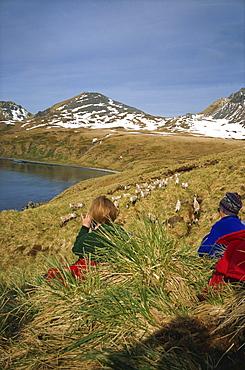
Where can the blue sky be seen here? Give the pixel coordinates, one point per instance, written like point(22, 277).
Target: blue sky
point(165, 57)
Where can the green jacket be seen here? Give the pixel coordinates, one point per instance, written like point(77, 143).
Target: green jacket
point(93, 242)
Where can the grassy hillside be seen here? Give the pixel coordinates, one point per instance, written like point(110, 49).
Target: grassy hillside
point(117, 150)
point(140, 310)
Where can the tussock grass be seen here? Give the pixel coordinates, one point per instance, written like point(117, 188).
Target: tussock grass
point(137, 310)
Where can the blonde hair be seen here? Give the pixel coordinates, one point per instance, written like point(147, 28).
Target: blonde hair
point(102, 210)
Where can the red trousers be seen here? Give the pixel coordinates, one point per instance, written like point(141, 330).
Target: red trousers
point(78, 269)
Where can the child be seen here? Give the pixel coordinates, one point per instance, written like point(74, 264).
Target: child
point(88, 245)
point(100, 218)
point(229, 208)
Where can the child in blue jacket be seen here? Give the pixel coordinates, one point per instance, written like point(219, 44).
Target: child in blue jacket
point(229, 207)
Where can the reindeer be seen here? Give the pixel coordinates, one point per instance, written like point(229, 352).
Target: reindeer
point(144, 193)
point(116, 197)
point(176, 179)
point(178, 205)
point(66, 218)
point(184, 185)
point(76, 205)
point(196, 205)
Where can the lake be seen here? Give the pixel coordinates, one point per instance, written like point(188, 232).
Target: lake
point(24, 181)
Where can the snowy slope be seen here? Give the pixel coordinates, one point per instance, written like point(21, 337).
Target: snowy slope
point(96, 111)
point(198, 124)
point(225, 118)
point(11, 112)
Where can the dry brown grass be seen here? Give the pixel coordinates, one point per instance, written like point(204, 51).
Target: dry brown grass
point(120, 151)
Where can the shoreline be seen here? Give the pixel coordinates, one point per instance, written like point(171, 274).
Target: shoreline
point(56, 164)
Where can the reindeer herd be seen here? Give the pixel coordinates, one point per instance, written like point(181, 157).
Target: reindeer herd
point(144, 189)
point(135, 192)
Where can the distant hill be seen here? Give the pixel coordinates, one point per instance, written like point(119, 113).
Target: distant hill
point(11, 112)
point(224, 118)
point(95, 111)
point(231, 108)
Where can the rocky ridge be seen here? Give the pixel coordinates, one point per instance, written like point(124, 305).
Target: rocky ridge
point(224, 118)
point(10, 112)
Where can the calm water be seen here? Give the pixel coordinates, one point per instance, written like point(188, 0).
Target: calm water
point(21, 182)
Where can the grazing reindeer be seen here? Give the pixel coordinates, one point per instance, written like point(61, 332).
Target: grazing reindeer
point(76, 205)
point(196, 210)
point(184, 185)
point(163, 183)
point(178, 205)
point(66, 218)
point(176, 179)
point(196, 205)
point(116, 204)
point(116, 197)
point(152, 187)
point(144, 193)
point(133, 199)
point(156, 182)
point(141, 185)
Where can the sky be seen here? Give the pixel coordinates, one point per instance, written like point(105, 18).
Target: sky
point(164, 57)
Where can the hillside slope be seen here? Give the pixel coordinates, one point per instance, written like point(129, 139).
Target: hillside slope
point(140, 309)
point(112, 150)
point(209, 177)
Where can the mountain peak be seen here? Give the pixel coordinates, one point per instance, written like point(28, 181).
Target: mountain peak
point(224, 118)
point(10, 111)
point(233, 108)
point(95, 102)
point(91, 110)
point(238, 97)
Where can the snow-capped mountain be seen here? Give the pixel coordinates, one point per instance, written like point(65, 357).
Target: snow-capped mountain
point(224, 118)
point(95, 111)
point(11, 112)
